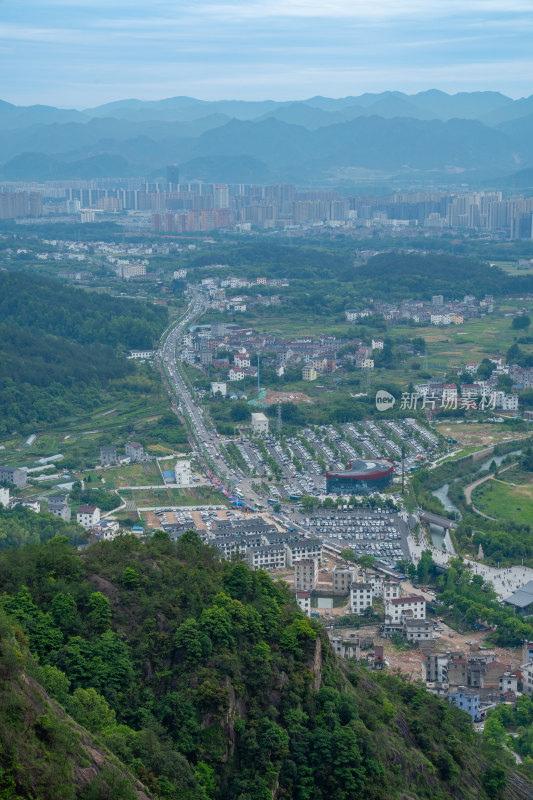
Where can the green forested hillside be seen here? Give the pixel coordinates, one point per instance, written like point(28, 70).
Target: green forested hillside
point(60, 348)
point(206, 681)
point(19, 527)
point(44, 754)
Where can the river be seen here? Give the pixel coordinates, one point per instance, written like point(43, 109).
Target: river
point(437, 534)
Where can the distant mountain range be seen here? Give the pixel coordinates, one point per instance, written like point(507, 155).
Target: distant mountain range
point(470, 136)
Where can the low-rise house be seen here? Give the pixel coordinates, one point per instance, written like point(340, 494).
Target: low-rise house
point(309, 374)
point(134, 451)
point(391, 590)
point(398, 607)
point(59, 509)
point(108, 456)
point(527, 678)
point(345, 645)
point(304, 601)
point(14, 475)
point(88, 516)
point(467, 700)
point(415, 630)
point(236, 374)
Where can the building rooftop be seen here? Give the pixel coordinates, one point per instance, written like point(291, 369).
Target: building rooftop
point(413, 599)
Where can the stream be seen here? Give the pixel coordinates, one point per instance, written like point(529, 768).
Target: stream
point(437, 535)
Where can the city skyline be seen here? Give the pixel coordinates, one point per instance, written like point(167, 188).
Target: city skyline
point(79, 54)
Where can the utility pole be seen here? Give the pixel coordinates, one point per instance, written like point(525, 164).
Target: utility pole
point(279, 418)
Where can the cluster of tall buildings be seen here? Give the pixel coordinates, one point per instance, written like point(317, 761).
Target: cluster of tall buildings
point(20, 204)
point(178, 206)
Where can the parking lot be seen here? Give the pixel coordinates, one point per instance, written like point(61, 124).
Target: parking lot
point(302, 459)
point(371, 532)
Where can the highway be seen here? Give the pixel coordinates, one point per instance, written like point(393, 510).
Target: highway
point(207, 439)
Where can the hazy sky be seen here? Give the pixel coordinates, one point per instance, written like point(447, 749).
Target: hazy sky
point(81, 53)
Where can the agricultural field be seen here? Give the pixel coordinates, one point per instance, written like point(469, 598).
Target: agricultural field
point(78, 439)
point(149, 498)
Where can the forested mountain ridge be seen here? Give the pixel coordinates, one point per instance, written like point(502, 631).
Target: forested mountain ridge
point(60, 348)
point(45, 754)
point(209, 684)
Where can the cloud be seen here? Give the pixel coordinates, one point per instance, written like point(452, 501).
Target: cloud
point(292, 47)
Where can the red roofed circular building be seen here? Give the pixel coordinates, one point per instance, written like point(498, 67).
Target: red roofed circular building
point(361, 477)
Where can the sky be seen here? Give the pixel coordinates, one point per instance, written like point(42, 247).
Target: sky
point(81, 53)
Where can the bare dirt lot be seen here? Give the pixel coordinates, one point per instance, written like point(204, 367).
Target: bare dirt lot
point(272, 397)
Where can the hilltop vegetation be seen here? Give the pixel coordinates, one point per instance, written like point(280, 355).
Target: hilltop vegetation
point(61, 349)
point(206, 681)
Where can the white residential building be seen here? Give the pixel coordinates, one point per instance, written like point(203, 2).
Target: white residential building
point(241, 360)
point(235, 374)
point(360, 597)
point(141, 355)
point(303, 549)
point(88, 516)
point(4, 496)
point(304, 601)
point(399, 607)
point(269, 557)
point(368, 363)
point(376, 582)
point(14, 475)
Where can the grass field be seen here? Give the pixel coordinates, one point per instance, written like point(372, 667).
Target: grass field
point(506, 502)
point(132, 475)
point(476, 434)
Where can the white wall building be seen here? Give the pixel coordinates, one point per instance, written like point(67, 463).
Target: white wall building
point(235, 374)
point(304, 602)
point(304, 549)
point(360, 597)
point(4, 496)
point(183, 473)
point(259, 424)
point(217, 387)
point(88, 516)
point(399, 607)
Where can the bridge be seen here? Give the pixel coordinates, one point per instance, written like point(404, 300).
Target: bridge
point(434, 519)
